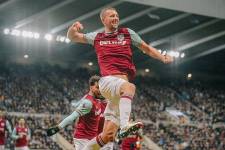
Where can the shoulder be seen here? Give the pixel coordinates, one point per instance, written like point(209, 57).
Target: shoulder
point(86, 103)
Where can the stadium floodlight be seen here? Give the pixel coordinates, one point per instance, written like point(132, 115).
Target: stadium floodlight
point(147, 70)
point(189, 76)
point(6, 31)
point(58, 38)
point(67, 40)
point(30, 34)
point(62, 39)
point(48, 37)
point(164, 53)
point(90, 63)
point(25, 33)
point(26, 56)
point(15, 32)
point(182, 55)
point(36, 35)
point(174, 54)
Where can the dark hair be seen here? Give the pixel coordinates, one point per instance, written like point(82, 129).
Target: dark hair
point(93, 79)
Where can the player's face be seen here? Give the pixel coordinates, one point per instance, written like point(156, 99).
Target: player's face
point(21, 121)
point(111, 19)
point(95, 90)
point(2, 114)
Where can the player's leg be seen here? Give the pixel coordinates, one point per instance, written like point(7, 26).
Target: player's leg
point(108, 134)
point(127, 91)
point(22, 148)
point(120, 92)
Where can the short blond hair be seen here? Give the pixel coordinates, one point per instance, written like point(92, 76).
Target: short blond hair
point(102, 13)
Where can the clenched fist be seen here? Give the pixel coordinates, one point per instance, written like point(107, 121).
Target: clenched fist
point(167, 59)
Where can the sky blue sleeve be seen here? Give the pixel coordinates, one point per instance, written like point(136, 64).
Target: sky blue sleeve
point(83, 108)
point(90, 37)
point(135, 38)
point(8, 126)
point(29, 134)
point(14, 134)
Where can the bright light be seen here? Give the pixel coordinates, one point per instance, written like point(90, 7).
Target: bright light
point(6, 31)
point(90, 63)
point(67, 40)
point(182, 55)
point(48, 37)
point(164, 53)
point(147, 70)
point(174, 54)
point(62, 39)
point(26, 56)
point(15, 32)
point(30, 34)
point(36, 35)
point(189, 75)
point(25, 34)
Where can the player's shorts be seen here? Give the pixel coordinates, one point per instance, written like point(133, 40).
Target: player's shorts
point(109, 87)
point(2, 147)
point(22, 148)
point(81, 143)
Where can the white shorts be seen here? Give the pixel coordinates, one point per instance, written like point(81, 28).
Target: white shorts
point(2, 147)
point(109, 87)
point(22, 148)
point(81, 143)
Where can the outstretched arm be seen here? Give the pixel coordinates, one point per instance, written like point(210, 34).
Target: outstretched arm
point(83, 108)
point(14, 134)
point(153, 52)
point(147, 49)
point(8, 126)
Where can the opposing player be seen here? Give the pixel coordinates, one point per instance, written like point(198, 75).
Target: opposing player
point(21, 134)
point(88, 111)
point(4, 125)
point(114, 53)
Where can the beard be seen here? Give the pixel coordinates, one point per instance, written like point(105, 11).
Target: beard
point(115, 26)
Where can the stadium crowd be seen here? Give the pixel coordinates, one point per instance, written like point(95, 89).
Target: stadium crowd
point(47, 89)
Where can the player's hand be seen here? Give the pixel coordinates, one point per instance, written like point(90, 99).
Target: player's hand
point(167, 59)
point(20, 136)
point(53, 130)
point(77, 26)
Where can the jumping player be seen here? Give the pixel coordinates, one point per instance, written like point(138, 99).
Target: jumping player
point(114, 53)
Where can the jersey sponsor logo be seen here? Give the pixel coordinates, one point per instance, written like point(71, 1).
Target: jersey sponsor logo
point(112, 43)
point(120, 37)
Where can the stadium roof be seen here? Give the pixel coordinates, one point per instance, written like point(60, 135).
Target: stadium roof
point(201, 38)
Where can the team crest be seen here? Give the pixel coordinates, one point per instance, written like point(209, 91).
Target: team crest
point(120, 37)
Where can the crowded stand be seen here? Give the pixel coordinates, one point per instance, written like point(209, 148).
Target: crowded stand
point(49, 91)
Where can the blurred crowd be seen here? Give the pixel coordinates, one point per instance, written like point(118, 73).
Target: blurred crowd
point(41, 89)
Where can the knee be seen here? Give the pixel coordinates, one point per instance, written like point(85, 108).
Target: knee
point(128, 88)
point(108, 136)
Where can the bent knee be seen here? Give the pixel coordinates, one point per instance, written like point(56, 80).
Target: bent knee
point(108, 136)
point(128, 89)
